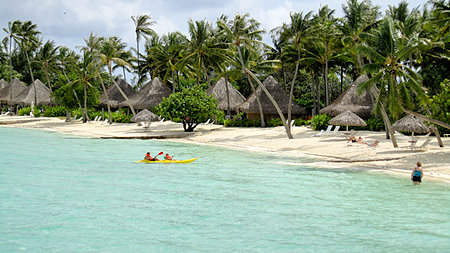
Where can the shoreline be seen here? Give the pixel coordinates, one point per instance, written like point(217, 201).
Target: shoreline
point(331, 151)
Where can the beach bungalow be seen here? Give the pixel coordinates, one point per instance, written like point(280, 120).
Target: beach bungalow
point(350, 100)
point(138, 96)
point(250, 106)
point(16, 87)
point(114, 95)
point(154, 96)
point(27, 97)
point(219, 90)
point(3, 83)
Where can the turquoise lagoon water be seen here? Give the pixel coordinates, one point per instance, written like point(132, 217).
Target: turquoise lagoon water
point(60, 193)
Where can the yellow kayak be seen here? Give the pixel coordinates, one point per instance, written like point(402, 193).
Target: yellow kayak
point(168, 161)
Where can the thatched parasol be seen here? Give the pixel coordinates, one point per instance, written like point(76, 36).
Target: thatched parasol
point(26, 97)
point(145, 116)
point(219, 90)
point(154, 96)
point(17, 88)
point(350, 100)
point(3, 84)
point(410, 124)
point(347, 118)
point(278, 93)
point(114, 95)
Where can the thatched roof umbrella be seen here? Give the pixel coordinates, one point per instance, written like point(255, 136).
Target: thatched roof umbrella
point(3, 84)
point(139, 95)
point(347, 118)
point(114, 95)
point(145, 116)
point(350, 100)
point(279, 94)
point(411, 124)
point(26, 97)
point(17, 88)
point(219, 90)
point(154, 96)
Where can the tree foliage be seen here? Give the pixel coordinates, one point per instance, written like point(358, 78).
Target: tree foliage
point(192, 106)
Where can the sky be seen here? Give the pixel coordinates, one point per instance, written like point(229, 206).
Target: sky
point(68, 22)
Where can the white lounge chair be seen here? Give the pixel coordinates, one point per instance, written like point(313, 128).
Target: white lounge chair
point(319, 134)
point(336, 129)
point(424, 144)
point(326, 131)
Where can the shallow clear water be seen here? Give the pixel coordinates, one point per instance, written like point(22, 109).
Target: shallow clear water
point(67, 194)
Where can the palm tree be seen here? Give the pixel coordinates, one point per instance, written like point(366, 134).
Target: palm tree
point(85, 73)
point(142, 24)
point(66, 59)
point(360, 17)
point(109, 54)
point(245, 32)
point(27, 34)
point(93, 43)
point(12, 32)
point(47, 58)
point(298, 31)
point(389, 67)
point(202, 48)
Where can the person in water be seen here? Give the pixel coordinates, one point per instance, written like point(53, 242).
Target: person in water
point(150, 158)
point(167, 157)
point(417, 174)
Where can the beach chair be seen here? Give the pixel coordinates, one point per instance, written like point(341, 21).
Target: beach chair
point(326, 131)
point(424, 144)
point(334, 132)
point(319, 134)
point(162, 120)
point(96, 118)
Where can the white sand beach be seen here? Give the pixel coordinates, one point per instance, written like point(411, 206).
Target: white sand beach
point(333, 152)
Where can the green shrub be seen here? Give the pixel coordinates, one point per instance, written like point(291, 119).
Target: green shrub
point(301, 122)
point(274, 122)
point(375, 124)
point(24, 111)
point(36, 112)
point(55, 111)
point(320, 121)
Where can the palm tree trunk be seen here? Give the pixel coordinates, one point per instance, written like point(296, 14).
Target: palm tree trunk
point(107, 98)
point(121, 91)
point(48, 78)
point(313, 91)
point(85, 103)
point(10, 60)
point(173, 81)
point(387, 122)
point(206, 73)
point(291, 93)
point(261, 113)
point(316, 80)
point(32, 77)
point(325, 79)
point(275, 104)
point(228, 97)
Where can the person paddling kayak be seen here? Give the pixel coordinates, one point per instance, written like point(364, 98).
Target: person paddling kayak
point(150, 158)
point(168, 157)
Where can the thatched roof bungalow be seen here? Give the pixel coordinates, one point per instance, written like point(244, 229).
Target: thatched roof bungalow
point(114, 95)
point(219, 90)
point(26, 97)
point(139, 95)
point(250, 106)
point(154, 95)
point(17, 88)
point(350, 100)
point(3, 84)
